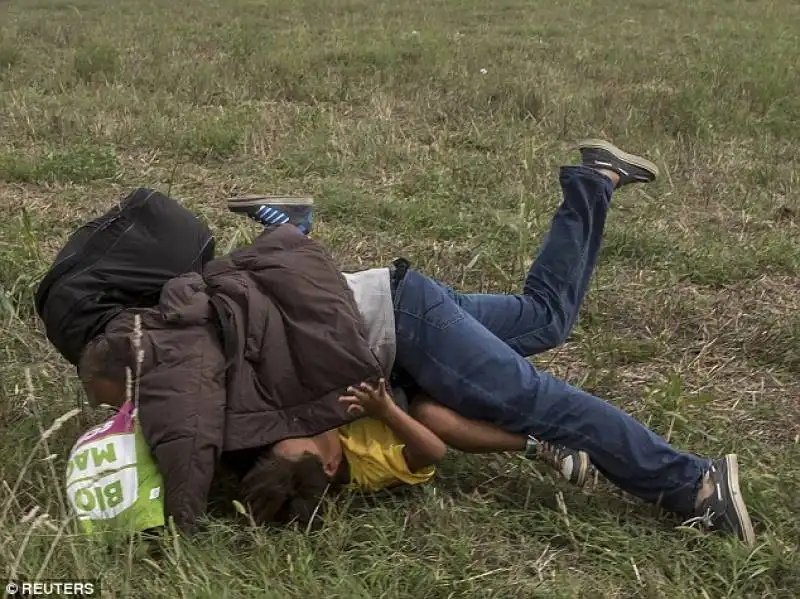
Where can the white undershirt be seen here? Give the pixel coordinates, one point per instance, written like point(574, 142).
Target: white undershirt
point(373, 295)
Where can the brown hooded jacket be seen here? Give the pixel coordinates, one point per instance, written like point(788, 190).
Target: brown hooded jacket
point(256, 350)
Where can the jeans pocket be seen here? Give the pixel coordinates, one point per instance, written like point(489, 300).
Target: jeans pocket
point(427, 302)
point(444, 314)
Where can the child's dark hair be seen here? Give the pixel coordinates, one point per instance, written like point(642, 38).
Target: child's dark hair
point(278, 490)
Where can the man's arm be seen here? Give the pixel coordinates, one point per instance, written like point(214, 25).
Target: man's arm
point(182, 413)
point(422, 447)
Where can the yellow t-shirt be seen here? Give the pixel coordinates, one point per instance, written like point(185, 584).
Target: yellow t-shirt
point(375, 456)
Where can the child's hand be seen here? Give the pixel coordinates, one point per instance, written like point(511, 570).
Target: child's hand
point(366, 399)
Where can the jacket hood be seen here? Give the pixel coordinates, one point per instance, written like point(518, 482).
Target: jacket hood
point(184, 301)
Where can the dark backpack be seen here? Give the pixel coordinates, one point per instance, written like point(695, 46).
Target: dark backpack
point(118, 261)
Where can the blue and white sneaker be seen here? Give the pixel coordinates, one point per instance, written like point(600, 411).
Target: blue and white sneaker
point(276, 210)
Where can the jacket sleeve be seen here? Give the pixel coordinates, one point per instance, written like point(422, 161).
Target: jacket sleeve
point(182, 411)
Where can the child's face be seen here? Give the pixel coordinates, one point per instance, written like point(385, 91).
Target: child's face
point(326, 446)
point(104, 391)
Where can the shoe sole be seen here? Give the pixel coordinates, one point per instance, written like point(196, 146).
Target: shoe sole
point(732, 467)
point(637, 161)
point(256, 200)
point(583, 469)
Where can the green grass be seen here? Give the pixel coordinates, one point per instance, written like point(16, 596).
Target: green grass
point(434, 130)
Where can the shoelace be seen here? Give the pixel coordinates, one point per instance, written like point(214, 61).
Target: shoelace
point(706, 519)
point(619, 170)
point(549, 452)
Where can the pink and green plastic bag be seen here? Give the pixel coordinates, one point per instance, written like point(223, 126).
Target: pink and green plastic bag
point(113, 484)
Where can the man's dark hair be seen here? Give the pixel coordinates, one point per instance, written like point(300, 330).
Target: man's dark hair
point(278, 490)
point(97, 361)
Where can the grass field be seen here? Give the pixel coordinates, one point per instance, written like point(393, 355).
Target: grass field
point(434, 130)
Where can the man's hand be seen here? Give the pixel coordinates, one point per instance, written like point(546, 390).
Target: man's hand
point(366, 399)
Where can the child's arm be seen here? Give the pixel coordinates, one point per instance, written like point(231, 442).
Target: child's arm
point(463, 434)
point(422, 447)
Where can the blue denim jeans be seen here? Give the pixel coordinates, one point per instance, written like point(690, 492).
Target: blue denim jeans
point(468, 352)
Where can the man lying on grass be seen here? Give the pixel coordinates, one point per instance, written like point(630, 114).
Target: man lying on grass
point(468, 352)
point(247, 359)
point(193, 380)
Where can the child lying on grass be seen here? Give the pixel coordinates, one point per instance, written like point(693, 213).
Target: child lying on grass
point(386, 448)
point(114, 486)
